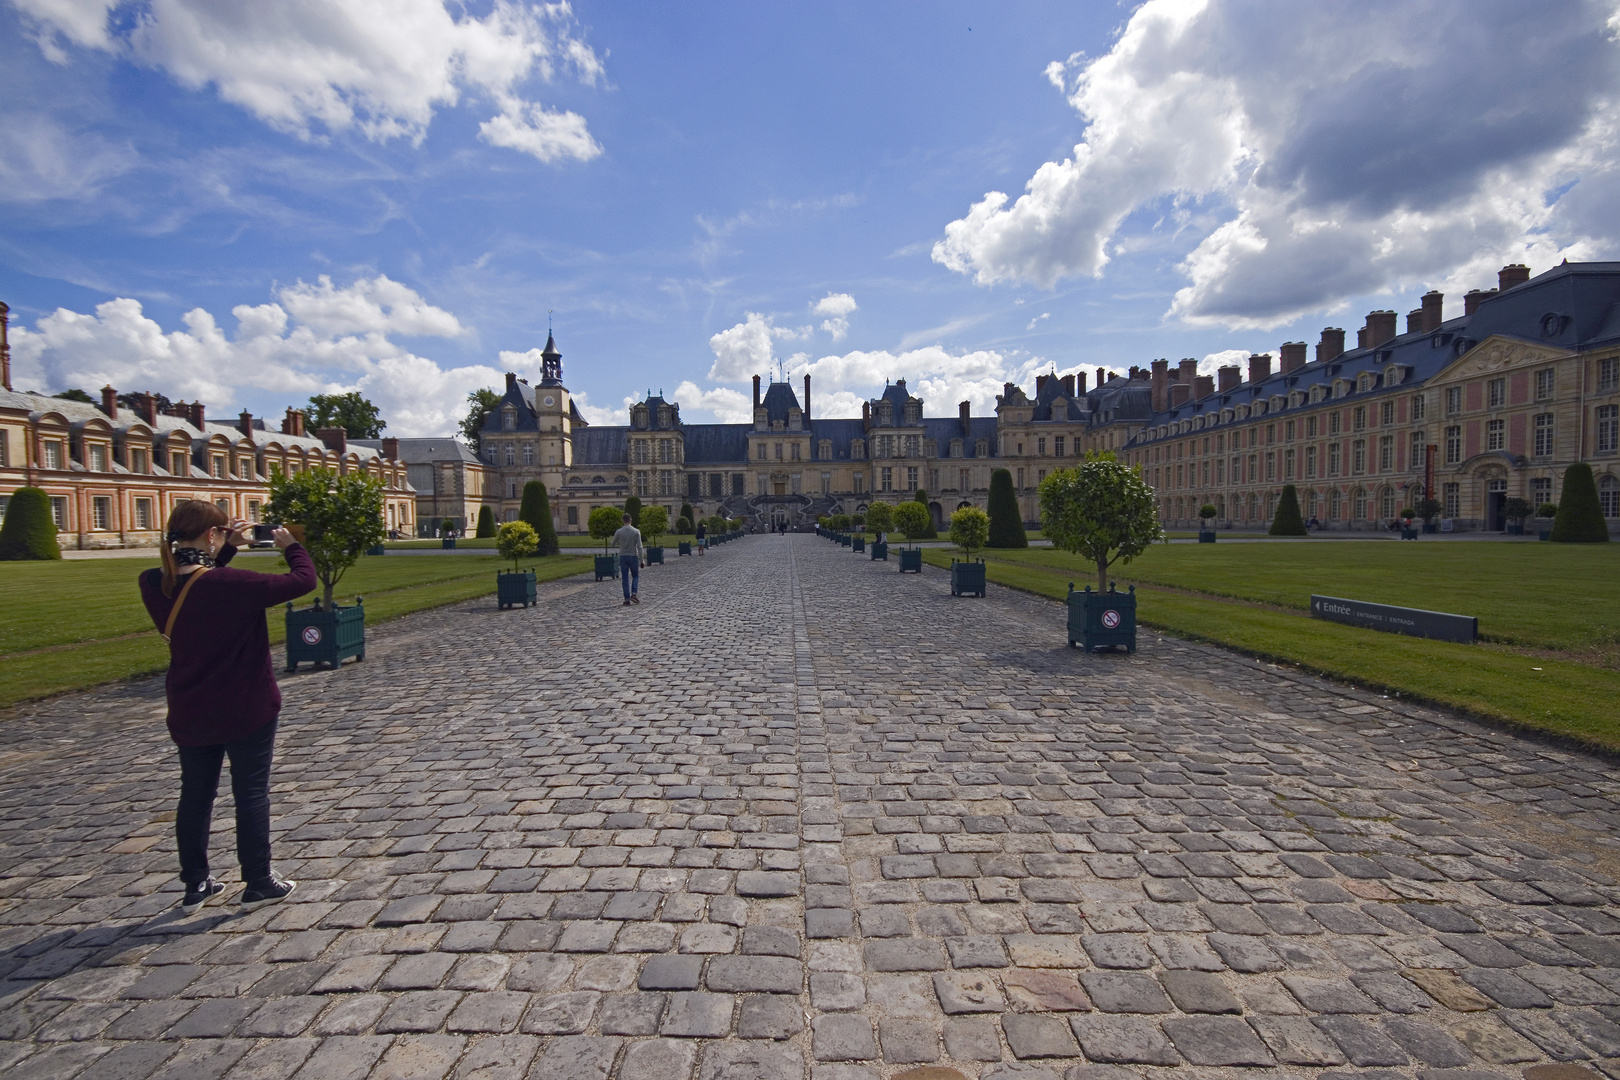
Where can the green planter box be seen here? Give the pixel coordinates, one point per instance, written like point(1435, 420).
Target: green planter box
point(1544, 534)
point(514, 589)
point(910, 559)
point(448, 543)
point(858, 544)
point(967, 577)
point(1102, 620)
point(655, 555)
point(607, 566)
point(846, 539)
point(685, 548)
point(1515, 530)
point(376, 550)
point(325, 637)
point(880, 550)
point(1409, 534)
point(1430, 527)
point(1206, 536)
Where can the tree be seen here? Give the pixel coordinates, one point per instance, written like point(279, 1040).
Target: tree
point(75, 394)
point(1428, 510)
point(1102, 509)
point(922, 498)
point(632, 506)
point(912, 520)
point(351, 412)
point(880, 518)
point(1006, 520)
point(446, 527)
point(516, 540)
point(341, 515)
point(536, 510)
point(480, 403)
point(131, 401)
point(1206, 512)
point(1287, 521)
point(1517, 510)
point(29, 531)
point(603, 523)
point(970, 528)
point(686, 512)
point(716, 523)
point(683, 526)
point(1580, 515)
point(486, 522)
point(654, 523)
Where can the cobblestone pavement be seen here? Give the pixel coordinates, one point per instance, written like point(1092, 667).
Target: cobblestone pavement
point(798, 815)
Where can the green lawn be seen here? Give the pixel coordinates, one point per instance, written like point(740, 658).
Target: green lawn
point(88, 617)
point(1550, 610)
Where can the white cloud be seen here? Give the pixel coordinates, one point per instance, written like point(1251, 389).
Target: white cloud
point(744, 350)
point(725, 405)
point(1337, 146)
point(1037, 319)
point(837, 307)
point(1224, 358)
point(383, 67)
point(343, 344)
point(595, 414)
point(41, 160)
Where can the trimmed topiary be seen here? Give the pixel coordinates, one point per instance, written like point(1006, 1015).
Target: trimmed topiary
point(632, 506)
point(1288, 520)
point(536, 510)
point(29, 531)
point(1006, 520)
point(486, 522)
point(1580, 515)
point(932, 532)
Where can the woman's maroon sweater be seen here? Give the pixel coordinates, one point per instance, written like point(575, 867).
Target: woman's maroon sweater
point(220, 684)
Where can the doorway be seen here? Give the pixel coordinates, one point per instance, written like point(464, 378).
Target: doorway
point(1496, 506)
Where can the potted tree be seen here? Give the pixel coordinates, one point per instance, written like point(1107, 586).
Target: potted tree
point(1206, 523)
point(1428, 510)
point(1516, 510)
point(1547, 511)
point(516, 540)
point(1408, 530)
point(654, 524)
point(447, 533)
point(970, 529)
point(880, 519)
point(912, 521)
point(602, 524)
point(340, 516)
point(858, 541)
point(1102, 510)
point(683, 528)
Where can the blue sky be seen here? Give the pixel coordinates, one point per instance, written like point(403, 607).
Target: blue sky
point(249, 204)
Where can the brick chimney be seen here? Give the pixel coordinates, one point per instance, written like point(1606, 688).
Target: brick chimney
point(1187, 371)
point(1161, 385)
point(5, 348)
point(197, 416)
point(756, 391)
point(1291, 357)
point(335, 438)
point(146, 408)
point(1259, 366)
point(1068, 385)
point(109, 402)
point(1040, 384)
point(1380, 328)
point(1414, 321)
point(1229, 376)
point(1511, 275)
point(1203, 386)
point(244, 424)
point(1102, 378)
point(1331, 345)
point(1179, 393)
point(1433, 310)
point(866, 410)
point(964, 412)
point(1472, 298)
point(807, 397)
point(390, 448)
point(511, 381)
point(1080, 381)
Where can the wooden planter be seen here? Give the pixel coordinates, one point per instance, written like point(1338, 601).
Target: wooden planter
point(607, 566)
point(1206, 536)
point(685, 548)
point(910, 560)
point(655, 556)
point(880, 550)
point(514, 589)
point(448, 543)
point(967, 577)
point(858, 544)
point(325, 637)
point(376, 549)
point(1102, 620)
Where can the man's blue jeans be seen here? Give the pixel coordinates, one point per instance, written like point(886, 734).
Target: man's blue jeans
point(629, 574)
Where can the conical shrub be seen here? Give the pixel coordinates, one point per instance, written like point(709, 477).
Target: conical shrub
point(1288, 521)
point(536, 510)
point(29, 531)
point(1006, 521)
point(1580, 516)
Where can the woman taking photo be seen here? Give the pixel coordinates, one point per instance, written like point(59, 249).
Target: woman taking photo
point(223, 698)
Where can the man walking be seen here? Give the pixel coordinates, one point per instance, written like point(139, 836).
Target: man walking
point(628, 539)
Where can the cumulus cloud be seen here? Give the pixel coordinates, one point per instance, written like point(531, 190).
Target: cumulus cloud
point(837, 307)
point(725, 405)
point(383, 67)
point(744, 350)
point(319, 339)
point(1225, 358)
point(1343, 150)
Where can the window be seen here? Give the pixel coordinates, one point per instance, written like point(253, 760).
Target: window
point(1310, 427)
point(217, 469)
point(1359, 420)
point(1608, 428)
point(1386, 414)
point(253, 511)
point(508, 421)
point(1288, 466)
point(1609, 374)
point(1417, 407)
point(1057, 445)
point(101, 513)
point(1544, 435)
point(245, 468)
point(666, 483)
point(1496, 393)
point(911, 478)
point(1540, 490)
point(1545, 384)
point(1453, 444)
point(511, 454)
point(717, 483)
point(1020, 479)
point(224, 505)
point(886, 479)
point(1358, 503)
point(1495, 434)
point(825, 450)
point(52, 458)
point(694, 486)
point(5, 452)
point(1386, 454)
point(1271, 466)
point(1333, 459)
point(778, 451)
point(1040, 446)
point(573, 515)
point(59, 512)
point(763, 452)
point(489, 453)
point(738, 484)
point(177, 465)
point(98, 458)
point(1358, 458)
point(511, 489)
point(763, 487)
point(1609, 496)
point(1451, 498)
point(666, 451)
point(1254, 467)
point(641, 484)
point(962, 479)
point(1386, 503)
point(860, 483)
point(794, 451)
point(1333, 423)
point(826, 483)
point(1453, 400)
point(1335, 504)
point(1416, 459)
point(139, 463)
point(528, 453)
point(143, 514)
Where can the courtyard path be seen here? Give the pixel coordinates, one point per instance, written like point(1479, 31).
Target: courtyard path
point(800, 816)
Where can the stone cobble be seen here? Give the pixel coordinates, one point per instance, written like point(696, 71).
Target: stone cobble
point(798, 815)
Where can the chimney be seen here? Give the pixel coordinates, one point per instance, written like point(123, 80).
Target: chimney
point(1380, 328)
point(1414, 321)
point(1040, 384)
point(756, 391)
point(1080, 381)
point(1331, 345)
point(1361, 338)
point(866, 416)
point(1136, 372)
point(5, 348)
point(1291, 357)
point(197, 417)
point(109, 402)
point(1187, 371)
point(1433, 307)
point(1511, 275)
point(807, 397)
point(1259, 366)
point(1102, 378)
point(1229, 376)
point(335, 438)
point(1068, 385)
point(1203, 386)
point(965, 412)
point(511, 381)
point(1473, 297)
point(146, 408)
point(1179, 393)
point(244, 424)
point(1161, 385)
point(390, 449)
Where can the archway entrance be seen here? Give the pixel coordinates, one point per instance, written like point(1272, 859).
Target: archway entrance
point(1495, 505)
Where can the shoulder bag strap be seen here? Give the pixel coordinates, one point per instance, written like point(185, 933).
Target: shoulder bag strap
point(174, 612)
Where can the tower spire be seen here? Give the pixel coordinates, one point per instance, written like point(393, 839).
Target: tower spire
point(550, 361)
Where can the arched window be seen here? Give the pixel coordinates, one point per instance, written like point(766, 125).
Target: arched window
point(1386, 503)
point(1313, 503)
point(1358, 502)
point(1335, 504)
point(1609, 496)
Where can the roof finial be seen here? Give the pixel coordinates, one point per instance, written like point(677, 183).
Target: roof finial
point(548, 321)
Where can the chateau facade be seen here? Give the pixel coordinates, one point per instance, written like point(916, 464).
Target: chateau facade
point(1492, 404)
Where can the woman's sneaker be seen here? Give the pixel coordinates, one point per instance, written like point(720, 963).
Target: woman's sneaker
point(272, 892)
point(200, 893)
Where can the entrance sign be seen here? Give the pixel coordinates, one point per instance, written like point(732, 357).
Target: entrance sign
point(1415, 622)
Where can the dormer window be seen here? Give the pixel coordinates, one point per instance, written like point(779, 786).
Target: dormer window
point(1365, 382)
point(1341, 387)
point(1277, 403)
point(1242, 412)
point(508, 419)
point(981, 448)
point(1259, 408)
point(1394, 375)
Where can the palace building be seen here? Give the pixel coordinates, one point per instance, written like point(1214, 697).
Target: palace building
point(1484, 406)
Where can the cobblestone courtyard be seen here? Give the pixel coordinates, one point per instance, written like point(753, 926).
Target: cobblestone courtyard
point(800, 816)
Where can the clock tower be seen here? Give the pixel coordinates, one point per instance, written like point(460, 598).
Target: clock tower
point(554, 410)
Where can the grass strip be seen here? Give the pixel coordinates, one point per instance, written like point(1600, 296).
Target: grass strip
point(1493, 682)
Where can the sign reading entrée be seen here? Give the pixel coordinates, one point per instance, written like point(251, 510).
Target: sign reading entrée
point(1396, 620)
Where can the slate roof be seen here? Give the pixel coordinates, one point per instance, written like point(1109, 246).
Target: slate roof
point(710, 444)
point(426, 451)
point(779, 398)
point(601, 446)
